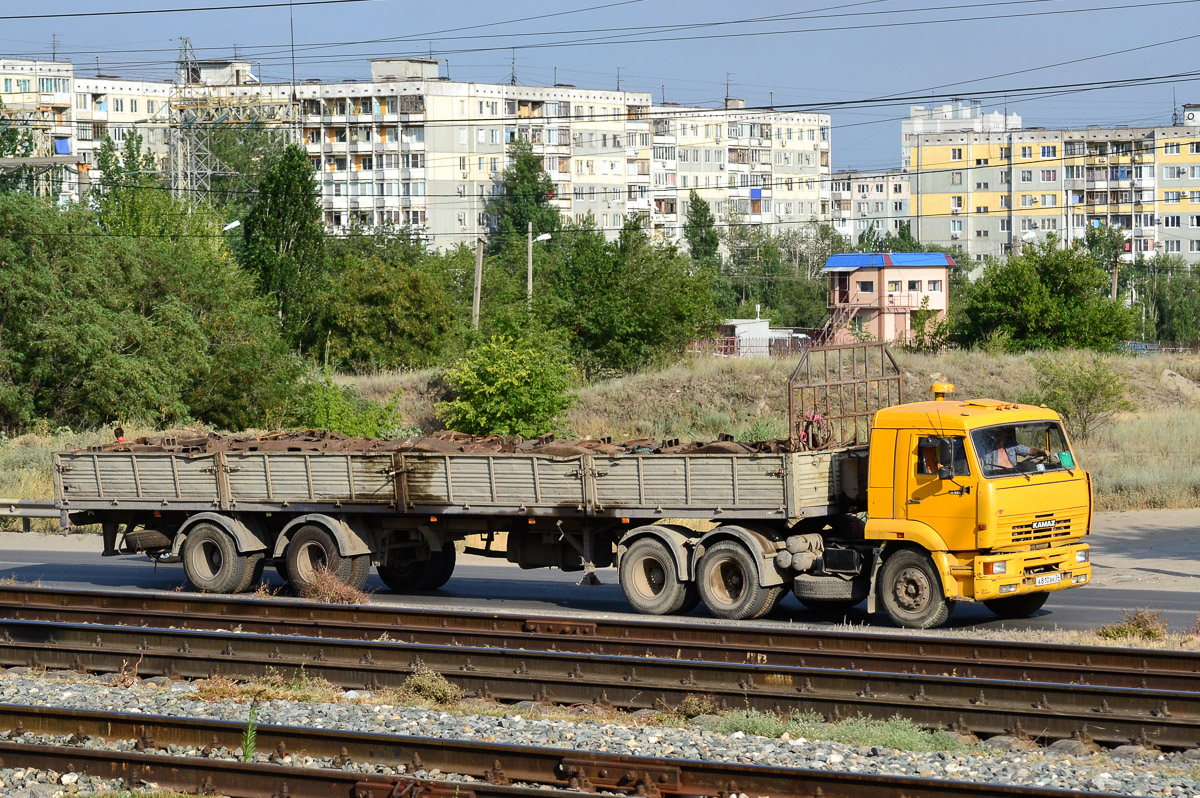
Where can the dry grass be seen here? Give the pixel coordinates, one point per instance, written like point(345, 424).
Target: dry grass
point(272, 687)
point(1137, 625)
point(328, 588)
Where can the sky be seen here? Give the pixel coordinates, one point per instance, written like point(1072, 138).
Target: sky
point(1058, 63)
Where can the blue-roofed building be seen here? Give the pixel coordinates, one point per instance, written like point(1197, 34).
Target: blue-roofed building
point(879, 293)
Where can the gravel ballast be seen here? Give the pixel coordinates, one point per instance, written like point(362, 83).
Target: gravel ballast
point(1129, 771)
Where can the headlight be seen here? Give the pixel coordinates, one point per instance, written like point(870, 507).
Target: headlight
point(993, 568)
point(1082, 555)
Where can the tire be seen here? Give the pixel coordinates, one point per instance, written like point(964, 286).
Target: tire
point(420, 575)
point(911, 591)
point(212, 563)
point(728, 581)
point(258, 564)
point(441, 568)
point(1017, 606)
point(649, 579)
point(312, 547)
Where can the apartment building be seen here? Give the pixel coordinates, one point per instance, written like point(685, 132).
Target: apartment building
point(408, 147)
point(959, 115)
point(990, 193)
point(862, 201)
point(35, 97)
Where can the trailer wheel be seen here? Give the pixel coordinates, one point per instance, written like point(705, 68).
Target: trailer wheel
point(649, 581)
point(1017, 606)
point(728, 580)
point(911, 591)
point(312, 548)
point(254, 576)
point(418, 575)
point(212, 563)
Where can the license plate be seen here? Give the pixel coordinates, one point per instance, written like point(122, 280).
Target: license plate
point(1048, 579)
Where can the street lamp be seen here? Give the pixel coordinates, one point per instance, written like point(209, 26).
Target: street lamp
point(235, 223)
point(529, 263)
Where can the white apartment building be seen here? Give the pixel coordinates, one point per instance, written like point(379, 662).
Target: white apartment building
point(411, 148)
point(959, 115)
point(863, 201)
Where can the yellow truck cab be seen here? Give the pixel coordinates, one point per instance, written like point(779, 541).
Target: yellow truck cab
point(975, 500)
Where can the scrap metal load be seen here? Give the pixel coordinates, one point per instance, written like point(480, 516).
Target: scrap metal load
point(445, 442)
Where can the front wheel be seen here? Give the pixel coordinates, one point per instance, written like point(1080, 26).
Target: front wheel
point(1017, 606)
point(912, 591)
point(650, 582)
point(728, 580)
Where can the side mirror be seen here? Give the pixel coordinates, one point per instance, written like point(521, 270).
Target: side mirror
point(945, 473)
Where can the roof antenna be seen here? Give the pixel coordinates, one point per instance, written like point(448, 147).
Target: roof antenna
point(1174, 110)
point(618, 78)
point(53, 46)
point(664, 94)
point(512, 78)
point(727, 75)
point(97, 66)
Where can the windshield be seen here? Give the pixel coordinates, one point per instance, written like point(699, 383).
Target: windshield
point(1022, 449)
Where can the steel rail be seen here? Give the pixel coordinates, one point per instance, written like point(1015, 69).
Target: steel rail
point(495, 766)
point(985, 706)
point(1092, 665)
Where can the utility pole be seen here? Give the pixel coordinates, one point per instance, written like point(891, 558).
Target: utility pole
point(529, 267)
point(478, 281)
point(1116, 271)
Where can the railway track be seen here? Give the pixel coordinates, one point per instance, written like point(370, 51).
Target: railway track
point(535, 665)
point(498, 770)
point(657, 639)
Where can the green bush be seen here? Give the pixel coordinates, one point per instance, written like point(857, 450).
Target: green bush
point(1085, 390)
point(326, 405)
point(507, 387)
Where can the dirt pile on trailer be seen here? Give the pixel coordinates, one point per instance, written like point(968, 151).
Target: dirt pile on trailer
point(447, 442)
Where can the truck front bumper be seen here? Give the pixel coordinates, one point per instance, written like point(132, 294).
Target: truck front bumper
point(1042, 571)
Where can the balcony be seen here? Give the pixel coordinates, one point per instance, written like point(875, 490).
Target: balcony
point(898, 300)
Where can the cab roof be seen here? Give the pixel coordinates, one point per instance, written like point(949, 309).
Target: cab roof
point(959, 415)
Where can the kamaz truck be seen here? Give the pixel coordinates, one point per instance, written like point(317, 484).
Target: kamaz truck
point(912, 507)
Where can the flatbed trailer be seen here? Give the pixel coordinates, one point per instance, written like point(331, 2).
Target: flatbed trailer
point(734, 529)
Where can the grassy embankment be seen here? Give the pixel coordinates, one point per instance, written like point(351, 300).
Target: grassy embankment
point(1149, 458)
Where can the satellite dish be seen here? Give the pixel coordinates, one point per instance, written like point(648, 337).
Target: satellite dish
point(1028, 236)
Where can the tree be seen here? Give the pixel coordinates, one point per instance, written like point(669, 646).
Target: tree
point(527, 195)
point(507, 386)
point(15, 142)
point(628, 303)
point(1045, 298)
point(97, 328)
point(700, 231)
point(284, 243)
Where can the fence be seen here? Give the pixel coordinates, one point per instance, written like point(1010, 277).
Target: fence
point(729, 346)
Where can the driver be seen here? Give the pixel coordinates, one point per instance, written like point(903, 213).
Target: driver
point(1005, 450)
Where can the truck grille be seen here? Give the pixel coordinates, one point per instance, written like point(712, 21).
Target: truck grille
point(1030, 529)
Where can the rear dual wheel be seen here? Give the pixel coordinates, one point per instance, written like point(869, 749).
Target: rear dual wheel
point(214, 565)
point(729, 583)
point(311, 549)
point(650, 581)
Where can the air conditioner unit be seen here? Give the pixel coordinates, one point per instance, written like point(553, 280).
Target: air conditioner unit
point(862, 196)
point(1137, 159)
point(721, 167)
point(1101, 160)
point(862, 213)
point(466, 175)
point(954, 235)
point(956, 211)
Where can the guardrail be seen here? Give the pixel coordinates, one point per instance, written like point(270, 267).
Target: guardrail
point(27, 509)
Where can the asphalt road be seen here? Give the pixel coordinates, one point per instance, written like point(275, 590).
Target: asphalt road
point(479, 584)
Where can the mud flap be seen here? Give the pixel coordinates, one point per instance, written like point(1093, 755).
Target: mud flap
point(876, 561)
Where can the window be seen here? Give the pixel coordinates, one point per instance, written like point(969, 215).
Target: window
point(1049, 175)
point(1172, 197)
point(1074, 173)
point(1174, 172)
point(898, 207)
point(865, 286)
point(1074, 148)
point(956, 178)
point(1003, 200)
point(1172, 246)
point(1005, 176)
point(1193, 220)
point(914, 285)
point(1049, 224)
point(981, 186)
point(1171, 149)
point(1026, 175)
point(133, 106)
point(981, 233)
point(893, 286)
point(956, 203)
point(935, 286)
point(1170, 221)
point(981, 209)
point(1194, 148)
point(1049, 200)
point(981, 161)
point(1005, 153)
point(119, 104)
point(1027, 152)
point(1026, 200)
point(1194, 245)
point(1049, 151)
point(1005, 226)
point(366, 163)
point(1020, 449)
point(956, 225)
point(956, 153)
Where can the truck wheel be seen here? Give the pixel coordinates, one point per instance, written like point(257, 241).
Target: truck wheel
point(649, 579)
point(728, 581)
point(1017, 606)
point(441, 567)
point(311, 548)
point(212, 563)
point(912, 591)
point(258, 564)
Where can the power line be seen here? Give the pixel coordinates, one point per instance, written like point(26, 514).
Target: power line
point(136, 12)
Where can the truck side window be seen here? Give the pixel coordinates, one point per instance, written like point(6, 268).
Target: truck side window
point(948, 451)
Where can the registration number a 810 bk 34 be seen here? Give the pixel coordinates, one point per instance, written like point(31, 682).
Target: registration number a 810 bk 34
point(1048, 579)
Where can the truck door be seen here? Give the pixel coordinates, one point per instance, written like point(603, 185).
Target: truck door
point(945, 504)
